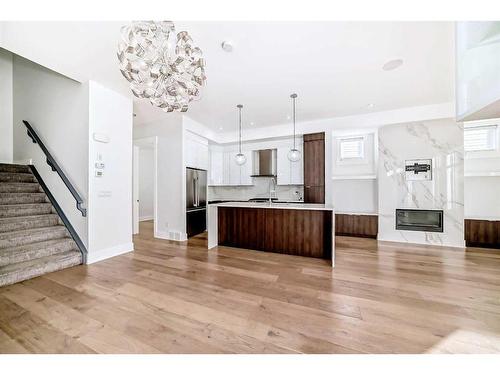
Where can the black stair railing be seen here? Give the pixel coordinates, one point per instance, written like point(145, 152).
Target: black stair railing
point(55, 167)
point(60, 212)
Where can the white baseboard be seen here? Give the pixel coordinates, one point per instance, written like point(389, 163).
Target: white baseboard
point(164, 235)
point(146, 218)
point(97, 256)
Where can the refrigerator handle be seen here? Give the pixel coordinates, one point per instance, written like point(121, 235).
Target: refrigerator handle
point(195, 193)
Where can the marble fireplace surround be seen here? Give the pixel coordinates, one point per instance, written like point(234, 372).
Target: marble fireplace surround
point(441, 141)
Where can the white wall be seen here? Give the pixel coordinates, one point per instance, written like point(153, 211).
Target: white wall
point(110, 196)
point(354, 182)
point(146, 181)
point(482, 198)
point(482, 180)
point(6, 106)
point(171, 189)
point(57, 108)
point(355, 196)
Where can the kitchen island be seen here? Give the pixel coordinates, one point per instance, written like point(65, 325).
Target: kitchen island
point(288, 228)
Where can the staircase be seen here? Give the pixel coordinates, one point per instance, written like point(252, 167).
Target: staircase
point(33, 240)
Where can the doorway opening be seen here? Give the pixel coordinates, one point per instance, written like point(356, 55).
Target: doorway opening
point(144, 186)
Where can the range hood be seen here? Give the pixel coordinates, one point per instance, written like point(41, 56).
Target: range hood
point(264, 163)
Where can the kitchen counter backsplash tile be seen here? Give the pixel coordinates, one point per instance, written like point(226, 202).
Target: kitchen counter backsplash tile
point(259, 189)
point(441, 141)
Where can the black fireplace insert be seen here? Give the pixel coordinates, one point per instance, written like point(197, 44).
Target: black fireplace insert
point(419, 220)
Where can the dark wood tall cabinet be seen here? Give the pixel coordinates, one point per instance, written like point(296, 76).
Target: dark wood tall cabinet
point(314, 168)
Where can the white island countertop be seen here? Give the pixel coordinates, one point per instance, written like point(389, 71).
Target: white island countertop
point(277, 205)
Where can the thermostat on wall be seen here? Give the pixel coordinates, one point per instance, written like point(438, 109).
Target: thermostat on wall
point(418, 170)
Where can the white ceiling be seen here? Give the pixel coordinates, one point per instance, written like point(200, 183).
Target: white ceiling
point(334, 67)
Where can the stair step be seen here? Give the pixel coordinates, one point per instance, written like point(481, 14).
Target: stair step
point(11, 224)
point(14, 168)
point(15, 210)
point(20, 198)
point(25, 237)
point(16, 177)
point(35, 250)
point(19, 187)
point(16, 272)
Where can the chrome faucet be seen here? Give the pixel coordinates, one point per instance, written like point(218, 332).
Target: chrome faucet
point(272, 190)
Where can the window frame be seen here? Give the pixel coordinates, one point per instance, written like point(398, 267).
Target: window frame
point(483, 126)
point(340, 140)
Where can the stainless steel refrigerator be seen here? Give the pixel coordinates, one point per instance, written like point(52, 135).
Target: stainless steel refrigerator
point(196, 201)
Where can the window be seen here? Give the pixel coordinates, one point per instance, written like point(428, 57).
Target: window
point(480, 138)
point(351, 148)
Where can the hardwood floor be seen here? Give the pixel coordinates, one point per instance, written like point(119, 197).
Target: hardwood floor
point(170, 297)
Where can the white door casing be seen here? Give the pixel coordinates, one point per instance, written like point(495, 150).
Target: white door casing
point(135, 190)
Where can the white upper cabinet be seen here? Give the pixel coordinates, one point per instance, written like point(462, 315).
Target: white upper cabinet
point(216, 167)
point(225, 172)
point(289, 173)
point(478, 73)
point(196, 151)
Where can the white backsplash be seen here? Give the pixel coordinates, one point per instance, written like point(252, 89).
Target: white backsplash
point(260, 188)
point(441, 141)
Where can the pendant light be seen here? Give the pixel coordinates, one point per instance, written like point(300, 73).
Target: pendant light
point(294, 153)
point(240, 158)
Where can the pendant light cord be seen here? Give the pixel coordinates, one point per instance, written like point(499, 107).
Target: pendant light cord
point(239, 107)
point(293, 96)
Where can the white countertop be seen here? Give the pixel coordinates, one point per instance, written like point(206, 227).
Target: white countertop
point(283, 206)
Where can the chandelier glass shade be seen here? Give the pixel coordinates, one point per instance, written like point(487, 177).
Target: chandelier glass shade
point(163, 67)
point(240, 158)
point(294, 153)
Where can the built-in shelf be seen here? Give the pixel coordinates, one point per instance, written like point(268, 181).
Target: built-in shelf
point(357, 177)
point(482, 174)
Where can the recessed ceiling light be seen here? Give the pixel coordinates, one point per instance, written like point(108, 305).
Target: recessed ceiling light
point(252, 123)
point(227, 46)
point(371, 105)
point(220, 128)
point(288, 117)
point(392, 64)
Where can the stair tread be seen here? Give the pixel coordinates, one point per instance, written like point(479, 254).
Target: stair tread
point(32, 231)
point(27, 205)
point(23, 193)
point(22, 198)
point(16, 167)
point(26, 173)
point(35, 250)
point(17, 183)
point(23, 218)
point(17, 272)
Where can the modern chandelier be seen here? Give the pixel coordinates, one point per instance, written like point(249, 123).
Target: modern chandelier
point(162, 67)
point(294, 153)
point(240, 158)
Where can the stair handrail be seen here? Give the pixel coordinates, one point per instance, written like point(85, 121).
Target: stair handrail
point(62, 216)
point(56, 168)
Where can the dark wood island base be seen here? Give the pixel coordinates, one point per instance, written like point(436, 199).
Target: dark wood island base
point(303, 232)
